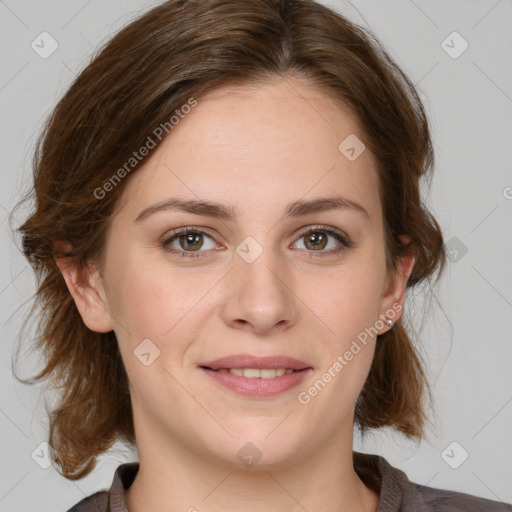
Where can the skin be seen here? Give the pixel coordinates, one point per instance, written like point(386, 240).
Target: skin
point(258, 149)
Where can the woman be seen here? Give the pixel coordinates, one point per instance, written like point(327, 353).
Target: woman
point(227, 220)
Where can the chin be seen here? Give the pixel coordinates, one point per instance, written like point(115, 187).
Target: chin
point(259, 451)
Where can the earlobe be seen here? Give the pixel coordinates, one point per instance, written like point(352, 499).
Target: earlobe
point(86, 287)
point(396, 285)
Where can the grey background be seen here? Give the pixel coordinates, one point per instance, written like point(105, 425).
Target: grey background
point(466, 336)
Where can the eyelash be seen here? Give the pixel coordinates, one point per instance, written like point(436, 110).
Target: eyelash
point(166, 243)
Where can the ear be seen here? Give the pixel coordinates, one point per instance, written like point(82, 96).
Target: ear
point(86, 287)
point(393, 297)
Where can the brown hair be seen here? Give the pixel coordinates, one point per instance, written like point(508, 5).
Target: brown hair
point(145, 73)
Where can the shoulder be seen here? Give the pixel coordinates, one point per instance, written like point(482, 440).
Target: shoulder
point(113, 498)
point(399, 494)
point(97, 502)
point(441, 500)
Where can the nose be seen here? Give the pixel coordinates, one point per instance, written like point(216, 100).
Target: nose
point(260, 296)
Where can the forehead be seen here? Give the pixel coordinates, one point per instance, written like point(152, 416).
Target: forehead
point(268, 144)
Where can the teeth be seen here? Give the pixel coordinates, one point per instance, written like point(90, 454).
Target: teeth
point(264, 373)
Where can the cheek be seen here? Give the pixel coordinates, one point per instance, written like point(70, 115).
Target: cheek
point(349, 300)
point(157, 303)
point(149, 313)
point(145, 297)
point(142, 305)
point(349, 306)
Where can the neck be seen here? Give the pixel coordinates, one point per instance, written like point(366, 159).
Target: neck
point(173, 477)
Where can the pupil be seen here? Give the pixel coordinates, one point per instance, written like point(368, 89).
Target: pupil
point(192, 240)
point(316, 240)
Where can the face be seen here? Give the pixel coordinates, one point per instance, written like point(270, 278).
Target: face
point(262, 273)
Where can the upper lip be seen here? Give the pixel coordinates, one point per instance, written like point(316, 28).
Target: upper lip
point(249, 361)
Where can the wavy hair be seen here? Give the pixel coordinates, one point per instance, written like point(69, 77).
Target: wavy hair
point(133, 84)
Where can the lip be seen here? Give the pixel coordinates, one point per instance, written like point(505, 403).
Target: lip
point(257, 387)
point(249, 361)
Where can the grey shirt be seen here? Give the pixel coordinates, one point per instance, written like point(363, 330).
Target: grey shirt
point(397, 493)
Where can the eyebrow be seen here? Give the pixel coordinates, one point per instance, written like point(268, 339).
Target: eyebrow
point(230, 213)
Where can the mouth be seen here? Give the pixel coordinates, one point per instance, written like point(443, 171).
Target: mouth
point(254, 373)
point(257, 377)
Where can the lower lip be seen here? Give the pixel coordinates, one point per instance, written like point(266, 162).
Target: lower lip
point(258, 387)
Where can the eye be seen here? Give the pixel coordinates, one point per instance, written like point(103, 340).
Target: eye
point(189, 241)
point(316, 239)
